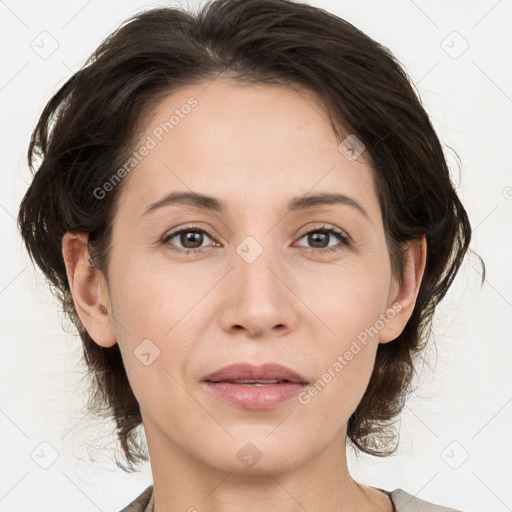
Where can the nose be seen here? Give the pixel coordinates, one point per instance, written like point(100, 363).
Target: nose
point(259, 298)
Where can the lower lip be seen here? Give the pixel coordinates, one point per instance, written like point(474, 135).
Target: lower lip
point(255, 397)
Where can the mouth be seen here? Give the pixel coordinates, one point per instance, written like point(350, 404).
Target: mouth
point(255, 387)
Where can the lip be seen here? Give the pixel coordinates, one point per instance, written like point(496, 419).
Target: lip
point(268, 396)
point(224, 384)
point(247, 371)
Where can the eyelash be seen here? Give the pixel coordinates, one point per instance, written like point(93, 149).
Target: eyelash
point(344, 238)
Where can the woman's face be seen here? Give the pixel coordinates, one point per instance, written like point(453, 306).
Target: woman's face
point(246, 282)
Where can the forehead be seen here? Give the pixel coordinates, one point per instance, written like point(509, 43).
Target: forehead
point(250, 144)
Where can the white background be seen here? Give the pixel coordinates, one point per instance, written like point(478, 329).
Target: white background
point(463, 407)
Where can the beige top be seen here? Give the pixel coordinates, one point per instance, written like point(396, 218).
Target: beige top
point(402, 502)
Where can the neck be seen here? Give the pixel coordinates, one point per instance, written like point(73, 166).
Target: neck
point(321, 483)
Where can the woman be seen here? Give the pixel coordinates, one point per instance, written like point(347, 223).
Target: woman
point(248, 216)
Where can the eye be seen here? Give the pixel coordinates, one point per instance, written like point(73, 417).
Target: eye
point(320, 238)
point(191, 239)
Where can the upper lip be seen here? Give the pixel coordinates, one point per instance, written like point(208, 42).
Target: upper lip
point(247, 371)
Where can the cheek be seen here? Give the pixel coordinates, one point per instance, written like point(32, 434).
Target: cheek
point(344, 363)
point(350, 306)
point(349, 298)
point(159, 314)
point(155, 338)
point(151, 299)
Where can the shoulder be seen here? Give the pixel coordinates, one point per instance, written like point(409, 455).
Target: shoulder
point(405, 502)
point(140, 503)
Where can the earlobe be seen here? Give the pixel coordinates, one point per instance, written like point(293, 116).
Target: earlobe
point(404, 294)
point(88, 288)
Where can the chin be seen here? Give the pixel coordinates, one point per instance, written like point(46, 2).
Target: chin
point(263, 466)
point(255, 455)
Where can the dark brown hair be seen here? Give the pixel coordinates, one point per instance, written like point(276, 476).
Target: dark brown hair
point(88, 128)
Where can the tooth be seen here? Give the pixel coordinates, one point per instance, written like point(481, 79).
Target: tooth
point(262, 381)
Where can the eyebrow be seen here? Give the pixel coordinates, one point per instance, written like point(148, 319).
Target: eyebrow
point(209, 203)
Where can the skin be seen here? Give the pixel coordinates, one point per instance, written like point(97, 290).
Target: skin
point(255, 148)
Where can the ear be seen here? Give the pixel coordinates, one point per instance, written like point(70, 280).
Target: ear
point(402, 297)
point(89, 289)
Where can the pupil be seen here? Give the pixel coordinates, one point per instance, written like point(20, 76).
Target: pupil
point(191, 237)
point(318, 238)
